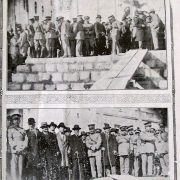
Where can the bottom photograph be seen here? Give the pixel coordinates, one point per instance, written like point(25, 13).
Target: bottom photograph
point(87, 143)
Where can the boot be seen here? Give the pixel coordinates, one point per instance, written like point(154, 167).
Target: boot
point(49, 54)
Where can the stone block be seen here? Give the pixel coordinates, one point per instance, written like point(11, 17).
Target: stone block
point(76, 67)
point(14, 86)
point(62, 87)
point(32, 78)
point(62, 67)
point(38, 68)
point(108, 65)
point(163, 84)
point(44, 76)
point(77, 86)
point(26, 87)
point(88, 66)
point(18, 77)
point(95, 75)
point(99, 66)
point(23, 68)
point(71, 77)
point(103, 73)
point(50, 67)
point(57, 77)
point(38, 87)
point(84, 75)
point(50, 87)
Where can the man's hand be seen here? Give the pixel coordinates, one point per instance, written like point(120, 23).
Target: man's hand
point(143, 25)
point(103, 149)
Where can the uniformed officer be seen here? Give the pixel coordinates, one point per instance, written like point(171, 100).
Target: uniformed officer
point(98, 130)
point(18, 142)
point(123, 150)
point(147, 149)
point(52, 127)
point(39, 38)
point(93, 143)
point(162, 149)
point(89, 36)
point(50, 37)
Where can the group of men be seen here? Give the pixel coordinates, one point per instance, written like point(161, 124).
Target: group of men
point(45, 155)
point(83, 38)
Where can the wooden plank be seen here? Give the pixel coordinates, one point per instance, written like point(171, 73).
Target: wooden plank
point(102, 83)
point(126, 74)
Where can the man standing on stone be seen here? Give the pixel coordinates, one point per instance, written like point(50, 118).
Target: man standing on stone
point(89, 36)
point(93, 143)
point(109, 148)
point(18, 142)
point(100, 38)
point(50, 37)
point(147, 146)
point(79, 32)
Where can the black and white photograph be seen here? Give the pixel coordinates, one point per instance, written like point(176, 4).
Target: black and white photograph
point(81, 45)
point(87, 143)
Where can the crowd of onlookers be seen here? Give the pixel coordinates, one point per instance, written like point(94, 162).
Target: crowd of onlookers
point(81, 37)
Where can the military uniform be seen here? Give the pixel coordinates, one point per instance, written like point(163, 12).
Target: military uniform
point(147, 149)
point(93, 143)
point(123, 151)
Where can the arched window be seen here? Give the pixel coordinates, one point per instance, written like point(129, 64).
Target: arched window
point(42, 10)
point(35, 7)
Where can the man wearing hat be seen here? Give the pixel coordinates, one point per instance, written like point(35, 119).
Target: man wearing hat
point(49, 154)
point(79, 32)
point(64, 148)
point(98, 130)
point(108, 38)
point(67, 132)
point(93, 143)
point(89, 36)
point(147, 149)
point(52, 127)
point(32, 156)
point(50, 36)
point(123, 150)
point(155, 22)
point(109, 148)
point(18, 142)
point(162, 149)
point(100, 38)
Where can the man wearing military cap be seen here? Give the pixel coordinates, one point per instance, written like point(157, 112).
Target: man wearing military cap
point(98, 130)
point(32, 156)
point(18, 142)
point(89, 36)
point(109, 148)
point(100, 39)
point(147, 149)
point(123, 150)
point(52, 127)
point(93, 143)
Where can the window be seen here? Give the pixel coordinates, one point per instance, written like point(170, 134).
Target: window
point(35, 7)
point(42, 10)
point(51, 3)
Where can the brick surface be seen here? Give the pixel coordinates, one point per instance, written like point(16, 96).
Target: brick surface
point(38, 68)
point(23, 68)
point(88, 66)
point(84, 75)
point(71, 77)
point(95, 76)
point(108, 65)
point(18, 77)
point(77, 86)
point(57, 77)
point(62, 67)
point(14, 86)
point(76, 67)
point(32, 78)
point(99, 66)
point(38, 87)
point(62, 87)
point(26, 86)
point(50, 67)
point(103, 73)
point(44, 76)
point(50, 87)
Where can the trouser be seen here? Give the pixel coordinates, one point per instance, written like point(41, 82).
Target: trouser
point(50, 46)
point(95, 161)
point(73, 47)
point(147, 164)
point(124, 165)
point(77, 170)
point(64, 173)
point(155, 38)
point(66, 47)
point(79, 44)
point(100, 45)
point(116, 48)
point(89, 45)
point(110, 170)
point(16, 166)
point(136, 166)
point(164, 161)
point(40, 46)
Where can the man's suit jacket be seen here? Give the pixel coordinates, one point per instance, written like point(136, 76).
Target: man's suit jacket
point(78, 30)
point(99, 28)
point(50, 30)
point(65, 30)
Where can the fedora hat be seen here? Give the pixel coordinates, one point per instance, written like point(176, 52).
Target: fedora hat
point(31, 121)
point(61, 125)
point(83, 133)
point(52, 124)
point(106, 126)
point(98, 16)
point(15, 116)
point(76, 127)
point(67, 130)
point(44, 124)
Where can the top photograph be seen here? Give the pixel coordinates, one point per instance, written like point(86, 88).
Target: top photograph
point(82, 45)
